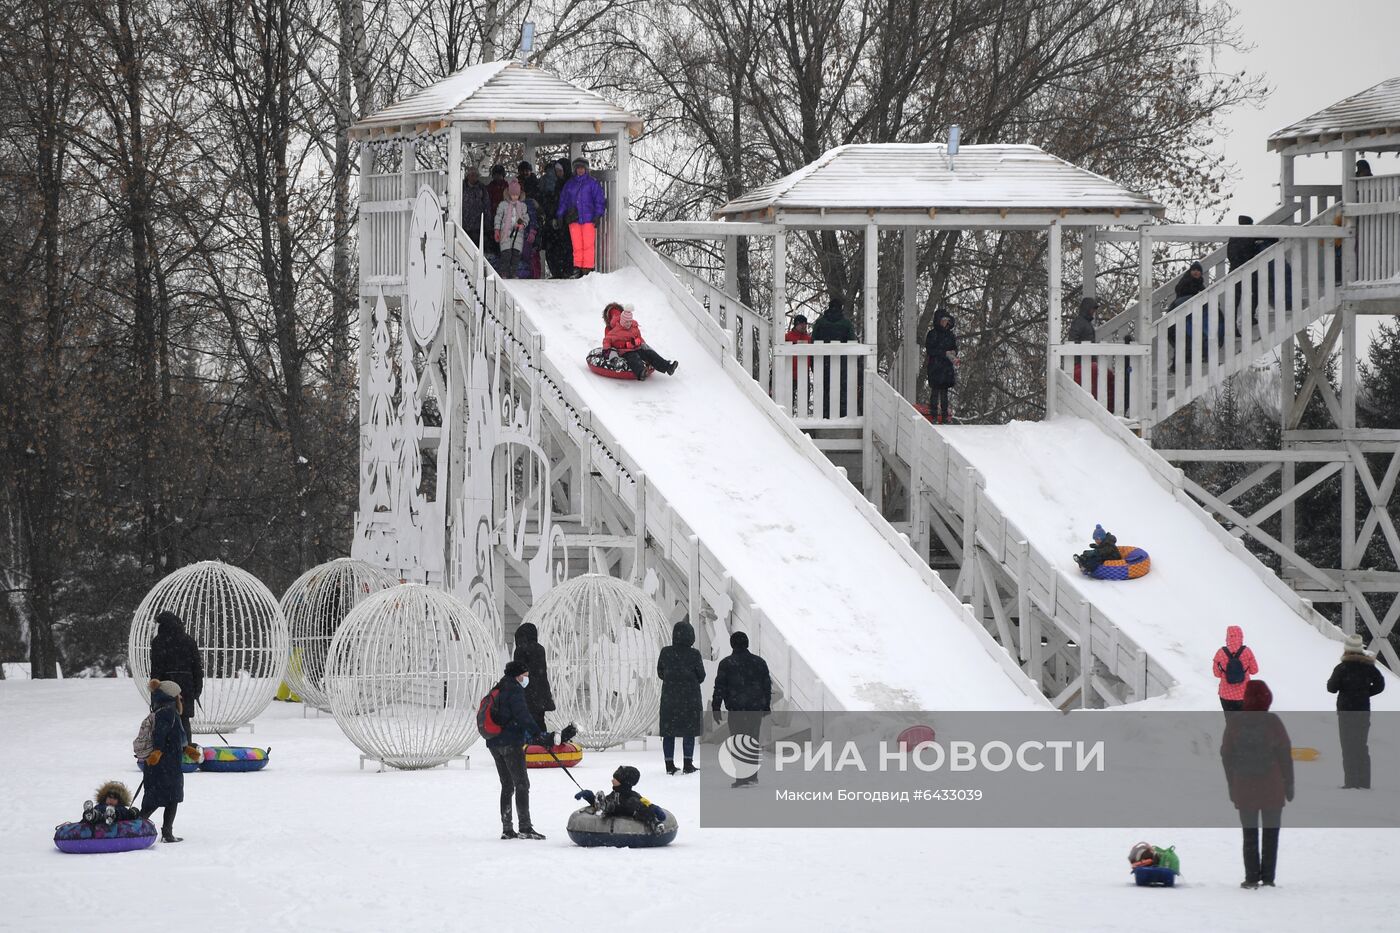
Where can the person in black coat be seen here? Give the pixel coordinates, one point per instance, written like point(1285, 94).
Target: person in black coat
point(558, 250)
point(833, 327)
point(1081, 329)
point(1355, 680)
point(743, 686)
point(942, 347)
point(530, 652)
point(512, 713)
point(681, 671)
point(175, 656)
point(165, 781)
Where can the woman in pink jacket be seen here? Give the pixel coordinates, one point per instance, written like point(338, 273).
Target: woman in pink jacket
point(1234, 664)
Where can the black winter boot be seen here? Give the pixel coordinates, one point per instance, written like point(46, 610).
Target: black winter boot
point(690, 767)
point(670, 766)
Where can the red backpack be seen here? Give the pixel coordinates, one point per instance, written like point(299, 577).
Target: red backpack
point(488, 713)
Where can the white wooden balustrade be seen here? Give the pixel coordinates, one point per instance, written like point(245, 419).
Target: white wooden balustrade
point(819, 385)
point(751, 333)
point(1110, 372)
point(1377, 214)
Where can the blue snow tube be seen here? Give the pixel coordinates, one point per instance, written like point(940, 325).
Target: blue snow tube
point(590, 830)
point(1132, 563)
point(1154, 875)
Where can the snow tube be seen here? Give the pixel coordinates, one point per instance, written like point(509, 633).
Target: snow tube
point(610, 363)
point(565, 756)
point(1154, 876)
point(87, 839)
point(590, 830)
point(1132, 563)
point(226, 758)
point(915, 736)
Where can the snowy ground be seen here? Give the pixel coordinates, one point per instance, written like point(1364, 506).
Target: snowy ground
point(1056, 478)
point(313, 844)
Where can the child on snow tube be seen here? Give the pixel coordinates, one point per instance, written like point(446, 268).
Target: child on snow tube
point(109, 824)
point(1152, 865)
point(111, 804)
point(623, 338)
point(1104, 547)
point(625, 801)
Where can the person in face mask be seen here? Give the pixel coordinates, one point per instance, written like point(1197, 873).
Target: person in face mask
point(507, 749)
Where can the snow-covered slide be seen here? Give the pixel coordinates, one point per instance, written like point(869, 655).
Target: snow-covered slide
point(1055, 479)
point(877, 632)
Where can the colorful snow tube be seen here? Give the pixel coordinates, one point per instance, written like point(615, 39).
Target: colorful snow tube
point(227, 758)
point(1132, 563)
point(565, 756)
point(610, 364)
point(88, 839)
point(591, 830)
point(1154, 876)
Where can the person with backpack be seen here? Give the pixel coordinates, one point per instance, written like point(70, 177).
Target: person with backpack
point(175, 656)
point(1234, 664)
point(1355, 680)
point(160, 743)
point(1258, 758)
point(503, 717)
point(530, 652)
point(681, 672)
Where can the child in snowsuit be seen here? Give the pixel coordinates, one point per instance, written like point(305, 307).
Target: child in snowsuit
point(111, 804)
point(624, 336)
point(624, 800)
point(1105, 547)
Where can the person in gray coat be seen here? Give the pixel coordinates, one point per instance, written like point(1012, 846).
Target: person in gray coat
point(681, 671)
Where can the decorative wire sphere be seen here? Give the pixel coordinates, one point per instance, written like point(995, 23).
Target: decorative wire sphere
point(404, 675)
point(240, 631)
point(315, 605)
point(601, 636)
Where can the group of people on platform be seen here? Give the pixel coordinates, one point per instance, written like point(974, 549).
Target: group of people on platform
point(532, 224)
point(1257, 753)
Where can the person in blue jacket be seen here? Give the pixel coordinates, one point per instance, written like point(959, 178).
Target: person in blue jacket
point(518, 728)
point(165, 781)
point(582, 203)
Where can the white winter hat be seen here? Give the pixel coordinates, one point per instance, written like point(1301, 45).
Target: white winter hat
point(170, 688)
point(1354, 644)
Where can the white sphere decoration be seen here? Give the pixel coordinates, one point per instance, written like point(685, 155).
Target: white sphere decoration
point(315, 605)
point(601, 636)
point(404, 675)
point(241, 633)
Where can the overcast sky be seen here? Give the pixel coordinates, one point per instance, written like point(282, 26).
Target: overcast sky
point(1312, 53)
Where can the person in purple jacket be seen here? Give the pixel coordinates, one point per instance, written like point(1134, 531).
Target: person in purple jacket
point(581, 204)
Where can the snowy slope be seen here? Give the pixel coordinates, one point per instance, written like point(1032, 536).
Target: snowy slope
point(1055, 479)
point(314, 844)
point(862, 618)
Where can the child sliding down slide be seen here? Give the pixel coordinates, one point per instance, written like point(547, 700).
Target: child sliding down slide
point(623, 336)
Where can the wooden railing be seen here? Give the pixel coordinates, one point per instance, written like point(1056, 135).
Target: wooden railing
point(1244, 315)
point(751, 333)
point(821, 385)
point(1377, 213)
point(1312, 202)
point(1110, 372)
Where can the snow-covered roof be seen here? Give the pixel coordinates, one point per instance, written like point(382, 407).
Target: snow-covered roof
point(919, 178)
point(505, 97)
point(1373, 112)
